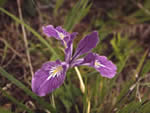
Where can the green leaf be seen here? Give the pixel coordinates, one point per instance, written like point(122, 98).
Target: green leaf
point(145, 108)
point(59, 3)
point(140, 65)
point(42, 40)
point(146, 68)
point(26, 90)
point(3, 110)
point(69, 97)
point(130, 108)
point(124, 90)
point(19, 104)
point(77, 13)
point(3, 2)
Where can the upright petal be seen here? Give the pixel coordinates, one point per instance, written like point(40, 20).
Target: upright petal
point(49, 77)
point(101, 64)
point(86, 44)
point(69, 47)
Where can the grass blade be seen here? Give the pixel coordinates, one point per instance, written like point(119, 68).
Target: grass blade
point(3, 110)
point(42, 40)
point(19, 104)
point(130, 108)
point(26, 90)
point(77, 13)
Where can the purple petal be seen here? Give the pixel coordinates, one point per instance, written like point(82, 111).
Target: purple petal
point(61, 30)
point(105, 66)
point(57, 32)
point(49, 77)
point(86, 44)
point(88, 60)
point(77, 62)
point(101, 64)
point(69, 48)
point(50, 31)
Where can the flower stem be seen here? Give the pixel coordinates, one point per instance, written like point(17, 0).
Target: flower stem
point(53, 101)
point(89, 105)
point(82, 86)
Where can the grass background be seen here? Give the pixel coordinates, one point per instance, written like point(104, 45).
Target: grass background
point(124, 32)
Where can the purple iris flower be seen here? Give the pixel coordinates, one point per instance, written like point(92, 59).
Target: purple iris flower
point(52, 74)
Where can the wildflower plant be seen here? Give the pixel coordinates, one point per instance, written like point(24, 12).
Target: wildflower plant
point(52, 73)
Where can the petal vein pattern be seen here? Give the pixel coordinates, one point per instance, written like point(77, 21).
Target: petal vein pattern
point(86, 44)
point(49, 77)
point(101, 64)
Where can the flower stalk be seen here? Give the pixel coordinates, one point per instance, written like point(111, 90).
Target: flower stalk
point(82, 86)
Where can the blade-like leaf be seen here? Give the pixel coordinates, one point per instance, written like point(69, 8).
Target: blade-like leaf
point(78, 12)
point(19, 104)
point(26, 90)
point(42, 40)
point(3, 110)
point(130, 108)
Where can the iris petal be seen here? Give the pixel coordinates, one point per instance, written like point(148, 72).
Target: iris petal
point(86, 44)
point(101, 64)
point(105, 66)
point(50, 31)
point(59, 33)
point(49, 77)
point(69, 48)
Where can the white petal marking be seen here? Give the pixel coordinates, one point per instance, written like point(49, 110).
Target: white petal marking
point(98, 64)
point(55, 71)
point(61, 35)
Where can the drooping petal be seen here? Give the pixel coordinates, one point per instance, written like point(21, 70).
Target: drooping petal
point(49, 77)
point(86, 44)
point(69, 47)
point(61, 30)
point(105, 66)
point(50, 31)
point(59, 33)
point(101, 64)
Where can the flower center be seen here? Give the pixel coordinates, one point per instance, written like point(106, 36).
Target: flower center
point(55, 71)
